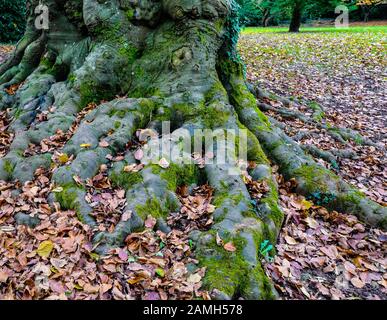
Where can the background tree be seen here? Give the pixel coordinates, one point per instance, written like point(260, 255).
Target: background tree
point(130, 65)
point(297, 11)
point(369, 6)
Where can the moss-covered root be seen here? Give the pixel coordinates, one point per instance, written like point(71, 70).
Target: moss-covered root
point(313, 180)
point(150, 192)
point(327, 189)
point(21, 46)
point(72, 197)
point(28, 63)
point(342, 135)
point(114, 122)
point(233, 274)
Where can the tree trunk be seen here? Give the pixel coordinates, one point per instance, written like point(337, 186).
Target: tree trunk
point(366, 13)
point(142, 63)
point(266, 18)
point(295, 23)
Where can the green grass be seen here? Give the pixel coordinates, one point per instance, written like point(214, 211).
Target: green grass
point(254, 30)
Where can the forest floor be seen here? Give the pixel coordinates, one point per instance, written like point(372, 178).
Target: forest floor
point(343, 73)
point(320, 255)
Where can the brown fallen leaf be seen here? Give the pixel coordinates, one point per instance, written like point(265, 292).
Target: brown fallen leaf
point(290, 240)
point(357, 282)
point(150, 222)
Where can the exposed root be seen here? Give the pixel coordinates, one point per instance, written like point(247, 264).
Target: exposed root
point(330, 156)
point(342, 135)
point(148, 193)
point(241, 223)
point(236, 274)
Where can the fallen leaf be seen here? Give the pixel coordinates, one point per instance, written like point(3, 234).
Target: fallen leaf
point(160, 272)
point(229, 246)
point(219, 240)
point(290, 240)
point(312, 223)
point(103, 144)
point(194, 278)
point(45, 248)
point(357, 282)
point(150, 222)
point(139, 154)
point(163, 163)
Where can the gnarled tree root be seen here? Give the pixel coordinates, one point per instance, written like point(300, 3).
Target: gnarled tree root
point(175, 61)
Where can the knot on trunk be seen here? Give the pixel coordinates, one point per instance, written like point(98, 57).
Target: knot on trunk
point(181, 56)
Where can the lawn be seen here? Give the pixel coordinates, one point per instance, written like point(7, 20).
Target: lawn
point(356, 29)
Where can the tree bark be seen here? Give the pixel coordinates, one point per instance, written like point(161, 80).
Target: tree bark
point(139, 64)
point(266, 18)
point(295, 23)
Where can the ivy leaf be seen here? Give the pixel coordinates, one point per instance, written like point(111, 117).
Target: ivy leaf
point(160, 272)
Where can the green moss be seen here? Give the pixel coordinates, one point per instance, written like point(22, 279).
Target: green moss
point(125, 180)
point(8, 166)
point(147, 105)
point(121, 114)
point(72, 78)
point(222, 196)
point(358, 139)
point(216, 90)
point(177, 175)
point(47, 63)
point(213, 116)
point(130, 14)
point(254, 149)
point(229, 272)
point(276, 215)
point(91, 92)
point(219, 25)
point(68, 199)
point(319, 114)
point(128, 51)
point(154, 208)
point(353, 196)
point(315, 178)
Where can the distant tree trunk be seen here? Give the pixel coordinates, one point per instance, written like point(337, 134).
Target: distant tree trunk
point(266, 18)
point(295, 24)
point(366, 13)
